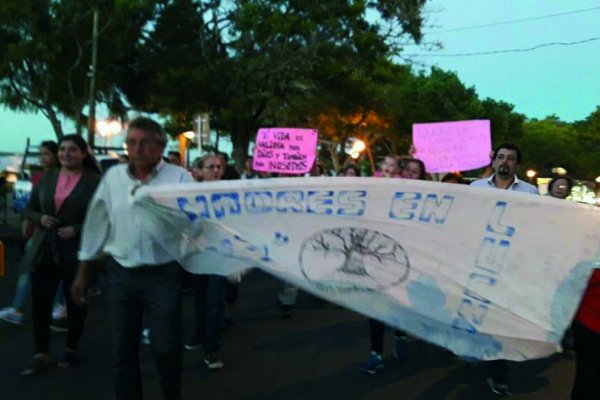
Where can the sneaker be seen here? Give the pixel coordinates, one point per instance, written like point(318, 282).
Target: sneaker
point(145, 337)
point(212, 362)
point(59, 325)
point(400, 346)
point(59, 311)
point(498, 387)
point(9, 314)
point(374, 363)
point(193, 344)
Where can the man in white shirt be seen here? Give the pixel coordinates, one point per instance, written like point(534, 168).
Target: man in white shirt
point(142, 277)
point(505, 162)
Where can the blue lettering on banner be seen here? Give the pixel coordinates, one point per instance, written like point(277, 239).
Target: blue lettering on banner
point(290, 200)
point(258, 202)
point(318, 200)
point(494, 225)
point(437, 209)
point(193, 211)
point(225, 203)
point(221, 205)
point(402, 203)
point(351, 203)
point(491, 256)
point(406, 205)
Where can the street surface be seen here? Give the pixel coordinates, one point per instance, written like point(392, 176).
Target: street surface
point(314, 355)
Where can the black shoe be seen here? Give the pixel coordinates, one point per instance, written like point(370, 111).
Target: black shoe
point(70, 359)
point(41, 362)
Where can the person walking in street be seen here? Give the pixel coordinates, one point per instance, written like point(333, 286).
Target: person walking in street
point(142, 277)
point(57, 206)
point(505, 163)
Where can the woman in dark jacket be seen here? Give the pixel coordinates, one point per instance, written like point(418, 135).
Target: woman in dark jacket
point(57, 206)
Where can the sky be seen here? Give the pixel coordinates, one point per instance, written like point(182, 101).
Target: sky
point(555, 79)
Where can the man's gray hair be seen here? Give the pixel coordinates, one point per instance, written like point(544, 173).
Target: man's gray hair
point(149, 125)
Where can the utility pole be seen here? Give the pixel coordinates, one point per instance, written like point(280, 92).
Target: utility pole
point(92, 75)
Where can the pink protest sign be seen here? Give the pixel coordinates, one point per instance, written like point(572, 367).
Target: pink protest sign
point(453, 146)
point(285, 150)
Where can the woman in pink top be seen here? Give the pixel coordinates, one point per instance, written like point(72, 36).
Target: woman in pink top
point(57, 206)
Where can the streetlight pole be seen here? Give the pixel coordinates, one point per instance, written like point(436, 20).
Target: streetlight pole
point(92, 75)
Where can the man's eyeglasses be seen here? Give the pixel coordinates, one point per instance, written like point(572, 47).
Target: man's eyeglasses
point(213, 167)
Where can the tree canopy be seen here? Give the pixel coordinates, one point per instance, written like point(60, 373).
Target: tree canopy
point(324, 64)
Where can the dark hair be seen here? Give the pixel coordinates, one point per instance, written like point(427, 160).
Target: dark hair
point(508, 146)
point(553, 181)
point(89, 162)
point(422, 174)
point(174, 153)
point(453, 176)
point(345, 169)
point(149, 125)
point(224, 155)
point(50, 145)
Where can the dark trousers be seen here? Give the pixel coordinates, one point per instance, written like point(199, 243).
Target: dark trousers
point(377, 330)
point(587, 370)
point(209, 293)
point(132, 292)
point(44, 283)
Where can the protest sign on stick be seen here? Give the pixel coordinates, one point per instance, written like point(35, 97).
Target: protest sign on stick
point(453, 146)
point(285, 150)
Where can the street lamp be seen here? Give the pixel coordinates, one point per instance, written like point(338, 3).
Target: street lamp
point(189, 136)
point(358, 146)
point(531, 174)
point(107, 129)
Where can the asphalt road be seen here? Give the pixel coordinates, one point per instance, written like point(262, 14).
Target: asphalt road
point(314, 355)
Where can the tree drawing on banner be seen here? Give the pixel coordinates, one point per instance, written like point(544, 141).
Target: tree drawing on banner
point(354, 255)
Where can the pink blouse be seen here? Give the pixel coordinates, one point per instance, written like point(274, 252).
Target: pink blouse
point(64, 187)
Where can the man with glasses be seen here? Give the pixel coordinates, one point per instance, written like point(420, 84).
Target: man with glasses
point(142, 277)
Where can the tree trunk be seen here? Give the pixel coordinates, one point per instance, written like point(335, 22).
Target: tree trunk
point(354, 264)
point(240, 142)
point(55, 121)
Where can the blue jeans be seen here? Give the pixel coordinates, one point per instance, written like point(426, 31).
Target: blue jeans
point(209, 292)
point(132, 292)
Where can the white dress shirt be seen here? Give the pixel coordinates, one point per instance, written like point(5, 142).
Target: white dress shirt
point(517, 185)
point(112, 227)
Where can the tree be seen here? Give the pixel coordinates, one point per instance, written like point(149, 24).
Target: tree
point(262, 63)
point(550, 143)
point(358, 254)
point(45, 54)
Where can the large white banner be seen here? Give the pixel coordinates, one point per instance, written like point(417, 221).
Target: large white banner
point(485, 273)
